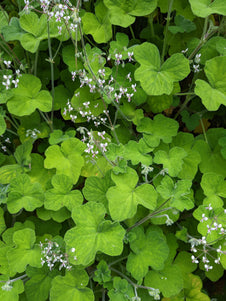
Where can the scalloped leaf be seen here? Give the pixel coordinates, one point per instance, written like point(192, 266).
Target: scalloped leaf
point(204, 8)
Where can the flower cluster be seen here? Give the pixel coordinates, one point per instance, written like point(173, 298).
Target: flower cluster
point(32, 133)
point(53, 256)
point(196, 66)
point(155, 293)
point(10, 80)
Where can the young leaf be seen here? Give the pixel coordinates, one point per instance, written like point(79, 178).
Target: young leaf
point(156, 79)
point(92, 233)
point(103, 273)
point(204, 8)
point(61, 195)
point(160, 128)
point(71, 287)
point(66, 159)
point(182, 25)
point(24, 252)
point(57, 136)
point(27, 97)
point(122, 12)
point(98, 25)
point(122, 290)
point(124, 197)
point(148, 249)
point(25, 195)
point(213, 94)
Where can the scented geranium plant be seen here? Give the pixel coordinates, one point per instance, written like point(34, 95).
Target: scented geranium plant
point(113, 150)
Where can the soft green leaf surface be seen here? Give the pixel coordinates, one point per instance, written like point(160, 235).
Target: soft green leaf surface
point(61, 195)
point(121, 291)
point(4, 18)
point(204, 8)
point(160, 128)
point(12, 294)
point(71, 287)
point(98, 25)
point(92, 233)
point(57, 136)
point(148, 249)
point(122, 12)
point(66, 159)
point(25, 252)
point(182, 25)
point(23, 194)
point(124, 197)
point(28, 97)
point(157, 79)
point(13, 31)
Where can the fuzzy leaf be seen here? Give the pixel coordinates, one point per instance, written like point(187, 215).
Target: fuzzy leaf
point(122, 12)
point(92, 233)
point(28, 97)
point(157, 79)
point(124, 197)
point(204, 8)
point(160, 128)
point(66, 159)
point(98, 25)
point(24, 252)
point(71, 287)
point(25, 195)
point(148, 249)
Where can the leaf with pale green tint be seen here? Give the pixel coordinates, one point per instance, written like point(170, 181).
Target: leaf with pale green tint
point(14, 289)
point(179, 193)
point(160, 128)
point(183, 260)
point(214, 186)
point(222, 143)
point(90, 170)
point(71, 287)
point(216, 272)
point(68, 54)
point(137, 152)
point(103, 273)
point(25, 251)
point(95, 189)
point(95, 106)
point(2, 221)
point(62, 195)
point(213, 94)
point(59, 216)
point(204, 8)
point(57, 136)
point(157, 104)
point(182, 7)
point(13, 31)
point(148, 249)
point(211, 157)
point(182, 25)
point(2, 121)
point(123, 12)
point(25, 195)
point(121, 291)
point(119, 46)
point(92, 233)
point(67, 158)
point(157, 79)
point(98, 24)
point(23, 154)
point(4, 19)
point(38, 286)
point(169, 280)
point(28, 97)
point(171, 161)
point(125, 196)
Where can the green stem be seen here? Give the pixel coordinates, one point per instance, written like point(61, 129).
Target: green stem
point(47, 120)
point(204, 131)
point(132, 32)
point(36, 62)
point(117, 261)
point(185, 93)
point(166, 30)
point(150, 21)
point(12, 132)
point(58, 49)
point(52, 74)
point(143, 220)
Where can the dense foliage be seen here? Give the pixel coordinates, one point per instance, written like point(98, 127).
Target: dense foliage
point(113, 150)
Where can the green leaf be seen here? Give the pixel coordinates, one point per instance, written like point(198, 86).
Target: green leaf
point(119, 46)
point(23, 154)
point(157, 79)
point(71, 287)
point(148, 249)
point(11, 291)
point(204, 8)
point(25, 195)
point(222, 143)
point(59, 216)
point(4, 19)
point(98, 25)
point(57, 136)
point(121, 291)
point(122, 12)
point(28, 97)
point(61, 96)
point(213, 94)
point(124, 197)
point(61, 195)
point(13, 31)
point(214, 186)
point(2, 121)
point(169, 280)
point(66, 159)
point(179, 193)
point(25, 251)
point(103, 273)
point(160, 128)
point(191, 121)
point(95, 189)
point(171, 161)
point(92, 233)
point(157, 104)
point(2, 221)
point(38, 286)
point(182, 25)
point(137, 152)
